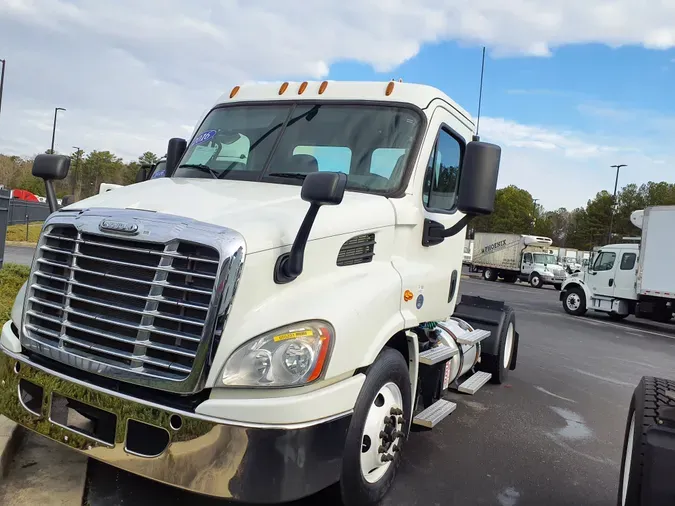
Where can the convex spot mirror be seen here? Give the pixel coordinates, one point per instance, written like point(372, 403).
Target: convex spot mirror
point(478, 181)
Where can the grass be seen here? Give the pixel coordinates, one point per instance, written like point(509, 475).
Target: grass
point(12, 276)
point(17, 233)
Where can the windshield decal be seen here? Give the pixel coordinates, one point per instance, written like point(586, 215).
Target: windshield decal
point(204, 137)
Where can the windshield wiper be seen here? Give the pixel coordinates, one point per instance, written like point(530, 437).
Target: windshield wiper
point(201, 167)
point(293, 175)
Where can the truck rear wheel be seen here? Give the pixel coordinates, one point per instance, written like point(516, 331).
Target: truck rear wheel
point(648, 398)
point(490, 274)
point(574, 301)
point(377, 431)
point(499, 365)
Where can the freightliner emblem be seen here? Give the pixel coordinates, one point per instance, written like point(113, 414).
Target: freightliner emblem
point(118, 226)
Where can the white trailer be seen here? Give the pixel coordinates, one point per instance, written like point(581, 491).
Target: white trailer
point(261, 328)
point(468, 252)
point(630, 278)
point(515, 257)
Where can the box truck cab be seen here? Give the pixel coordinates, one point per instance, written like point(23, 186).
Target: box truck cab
point(260, 328)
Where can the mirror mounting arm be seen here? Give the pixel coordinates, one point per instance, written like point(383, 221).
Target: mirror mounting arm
point(435, 233)
point(289, 265)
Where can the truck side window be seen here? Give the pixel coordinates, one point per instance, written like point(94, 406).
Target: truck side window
point(628, 261)
point(527, 258)
point(605, 261)
point(442, 177)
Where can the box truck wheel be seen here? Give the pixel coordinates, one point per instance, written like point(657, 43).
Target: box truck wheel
point(490, 274)
point(499, 365)
point(377, 431)
point(649, 398)
point(574, 301)
point(535, 280)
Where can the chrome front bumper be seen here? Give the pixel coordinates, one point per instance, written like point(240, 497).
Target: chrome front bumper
point(193, 452)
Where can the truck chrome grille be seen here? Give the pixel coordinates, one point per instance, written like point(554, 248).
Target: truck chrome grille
point(126, 307)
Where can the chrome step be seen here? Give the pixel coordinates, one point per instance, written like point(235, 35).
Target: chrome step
point(473, 337)
point(474, 383)
point(432, 415)
point(438, 354)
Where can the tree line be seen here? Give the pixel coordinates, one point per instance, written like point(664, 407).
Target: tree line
point(582, 228)
point(87, 172)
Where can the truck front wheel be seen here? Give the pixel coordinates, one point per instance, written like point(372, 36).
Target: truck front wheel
point(535, 281)
point(574, 301)
point(490, 274)
point(377, 431)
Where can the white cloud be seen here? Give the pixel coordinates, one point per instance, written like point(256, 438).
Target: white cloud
point(132, 74)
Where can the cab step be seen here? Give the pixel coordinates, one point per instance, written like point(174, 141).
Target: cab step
point(438, 354)
point(432, 415)
point(474, 383)
point(473, 337)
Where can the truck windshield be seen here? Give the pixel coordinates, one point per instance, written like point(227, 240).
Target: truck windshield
point(283, 143)
point(540, 258)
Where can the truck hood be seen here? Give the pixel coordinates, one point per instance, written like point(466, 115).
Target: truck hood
point(268, 215)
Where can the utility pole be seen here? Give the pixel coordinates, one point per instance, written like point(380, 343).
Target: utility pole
point(611, 215)
point(2, 80)
point(56, 110)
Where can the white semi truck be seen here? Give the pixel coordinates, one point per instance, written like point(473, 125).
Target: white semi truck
point(262, 328)
point(630, 278)
point(514, 257)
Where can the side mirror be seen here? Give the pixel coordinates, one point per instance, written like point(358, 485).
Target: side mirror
point(51, 168)
point(478, 180)
point(174, 153)
point(67, 200)
point(142, 174)
point(319, 189)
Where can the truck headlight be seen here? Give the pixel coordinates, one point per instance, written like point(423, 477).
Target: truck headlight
point(547, 274)
point(17, 308)
point(288, 356)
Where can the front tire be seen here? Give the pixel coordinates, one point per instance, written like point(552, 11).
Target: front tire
point(575, 301)
point(377, 430)
point(535, 281)
point(499, 365)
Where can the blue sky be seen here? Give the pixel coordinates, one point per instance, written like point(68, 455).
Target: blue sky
point(572, 86)
point(620, 98)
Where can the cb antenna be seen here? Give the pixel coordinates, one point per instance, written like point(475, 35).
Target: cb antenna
point(480, 96)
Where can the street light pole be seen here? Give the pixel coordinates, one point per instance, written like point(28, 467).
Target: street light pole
point(2, 80)
point(56, 110)
point(611, 215)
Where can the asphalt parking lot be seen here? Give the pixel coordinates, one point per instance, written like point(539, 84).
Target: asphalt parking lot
point(551, 435)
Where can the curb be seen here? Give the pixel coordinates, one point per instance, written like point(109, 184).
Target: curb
point(10, 438)
point(21, 244)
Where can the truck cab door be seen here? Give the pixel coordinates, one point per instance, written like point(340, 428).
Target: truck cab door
point(431, 269)
point(602, 276)
point(527, 265)
point(626, 275)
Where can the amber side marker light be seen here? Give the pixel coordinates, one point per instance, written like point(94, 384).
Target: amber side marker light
point(302, 88)
point(234, 91)
point(283, 88)
point(323, 87)
point(390, 88)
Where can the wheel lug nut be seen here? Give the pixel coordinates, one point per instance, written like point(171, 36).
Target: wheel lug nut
point(395, 448)
point(381, 449)
point(383, 435)
point(401, 421)
point(396, 411)
point(387, 420)
point(398, 433)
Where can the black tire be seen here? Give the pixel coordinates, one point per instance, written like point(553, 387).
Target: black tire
point(495, 364)
point(490, 274)
point(616, 317)
point(579, 310)
point(536, 281)
point(509, 278)
point(390, 366)
point(648, 397)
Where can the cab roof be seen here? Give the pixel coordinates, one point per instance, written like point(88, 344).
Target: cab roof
point(419, 95)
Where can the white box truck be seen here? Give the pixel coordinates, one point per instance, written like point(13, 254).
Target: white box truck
point(631, 278)
point(260, 329)
point(514, 257)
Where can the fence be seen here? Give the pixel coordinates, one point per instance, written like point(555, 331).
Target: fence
point(23, 211)
point(4, 215)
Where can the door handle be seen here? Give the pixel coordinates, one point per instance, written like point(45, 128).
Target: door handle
point(611, 281)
